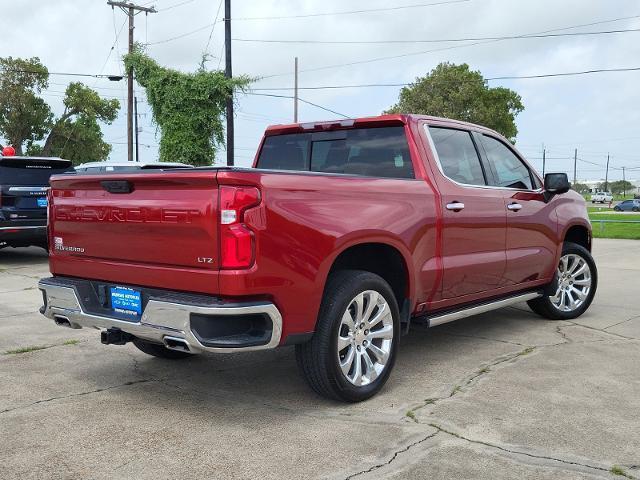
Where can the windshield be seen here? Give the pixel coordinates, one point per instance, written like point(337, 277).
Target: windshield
point(25, 172)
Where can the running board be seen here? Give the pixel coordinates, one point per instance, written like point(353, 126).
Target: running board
point(450, 316)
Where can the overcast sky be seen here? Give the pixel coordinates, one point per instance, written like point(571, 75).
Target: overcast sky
point(596, 113)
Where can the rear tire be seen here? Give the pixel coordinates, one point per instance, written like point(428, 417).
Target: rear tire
point(353, 349)
point(575, 286)
point(157, 350)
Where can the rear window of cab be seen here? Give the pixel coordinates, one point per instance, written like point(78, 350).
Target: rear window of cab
point(370, 152)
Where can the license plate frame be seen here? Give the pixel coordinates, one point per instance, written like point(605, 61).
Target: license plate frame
point(126, 301)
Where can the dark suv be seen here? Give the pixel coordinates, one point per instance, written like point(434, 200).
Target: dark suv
point(24, 182)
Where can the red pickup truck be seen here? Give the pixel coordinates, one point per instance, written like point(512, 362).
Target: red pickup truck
point(341, 235)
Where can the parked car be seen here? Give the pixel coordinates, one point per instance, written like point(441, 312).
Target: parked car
point(24, 182)
point(602, 197)
point(342, 235)
point(114, 167)
point(628, 206)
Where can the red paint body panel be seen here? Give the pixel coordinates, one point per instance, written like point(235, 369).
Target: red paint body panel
point(157, 235)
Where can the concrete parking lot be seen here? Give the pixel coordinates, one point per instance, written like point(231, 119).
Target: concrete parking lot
point(499, 396)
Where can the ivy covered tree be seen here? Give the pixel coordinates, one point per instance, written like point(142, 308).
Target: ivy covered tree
point(188, 108)
point(29, 125)
point(455, 91)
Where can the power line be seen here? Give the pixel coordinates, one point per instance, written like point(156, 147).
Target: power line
point(213, 27)
point(352, 12)
point(504, 77)
point(177, 37)
point(176, 5)
point(445, 40)
point(69, 74)
point(453, 47)
point(300, 99)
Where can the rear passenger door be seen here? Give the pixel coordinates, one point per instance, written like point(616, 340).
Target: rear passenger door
point(531, 222)
point(474, 216)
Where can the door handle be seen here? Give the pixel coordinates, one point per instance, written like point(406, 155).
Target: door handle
point(514, 207)
point(455, 206)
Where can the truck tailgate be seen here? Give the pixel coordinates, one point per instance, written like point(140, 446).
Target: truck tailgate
point(142, 228)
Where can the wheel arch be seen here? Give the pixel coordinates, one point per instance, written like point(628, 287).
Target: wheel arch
point(579, 234)
point(383, 257)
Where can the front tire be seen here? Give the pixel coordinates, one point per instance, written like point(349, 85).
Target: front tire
point(575, 286)
point(353, 349)
point(157, 350)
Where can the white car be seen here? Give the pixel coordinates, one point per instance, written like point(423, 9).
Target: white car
point(120, 167)
point(601, 197)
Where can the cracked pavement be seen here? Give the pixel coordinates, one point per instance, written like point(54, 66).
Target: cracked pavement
point(499, 396)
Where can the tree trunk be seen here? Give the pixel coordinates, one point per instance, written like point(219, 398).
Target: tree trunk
point(48, 144)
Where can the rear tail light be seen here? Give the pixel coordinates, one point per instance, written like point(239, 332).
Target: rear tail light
point(237, 241)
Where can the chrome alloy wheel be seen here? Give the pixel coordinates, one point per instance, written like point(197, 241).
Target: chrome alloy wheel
point(365, 338)
point(574, 283)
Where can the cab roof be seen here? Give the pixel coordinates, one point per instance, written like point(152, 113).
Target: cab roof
point(375, 121)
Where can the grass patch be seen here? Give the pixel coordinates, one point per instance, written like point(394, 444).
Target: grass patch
point(35, 348)
point(616, 470)
point(526, 351)
point(32, 348)
point(411, 414)
point(629, 231)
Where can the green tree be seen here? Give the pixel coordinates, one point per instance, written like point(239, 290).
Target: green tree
point(76, 134)
point(24, 117)
point(27, 123)
point(581, 188)
point(621, 186)
point(188, 108)
point(455, 91)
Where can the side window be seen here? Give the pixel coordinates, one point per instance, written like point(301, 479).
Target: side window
point(285, 152)
point(457, 154)
point(508, 168)
point(372, 152)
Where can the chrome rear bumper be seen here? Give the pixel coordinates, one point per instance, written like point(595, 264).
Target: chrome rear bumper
point(161, 321)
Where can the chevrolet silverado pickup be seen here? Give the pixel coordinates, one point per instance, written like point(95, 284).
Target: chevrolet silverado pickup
point(340, 236)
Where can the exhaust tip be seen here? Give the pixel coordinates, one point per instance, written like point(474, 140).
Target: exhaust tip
point(173, 343)
point(62, 321)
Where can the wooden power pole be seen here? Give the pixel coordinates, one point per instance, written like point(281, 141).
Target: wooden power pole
point(606, 176)
point(135, 112)
point(295, 92)
point(575, 166)
point(131, 11)
point(228, 74)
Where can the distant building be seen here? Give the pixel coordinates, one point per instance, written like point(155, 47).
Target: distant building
point(593, 185)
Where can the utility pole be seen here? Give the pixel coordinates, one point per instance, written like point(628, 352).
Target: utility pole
point(606, 176)
point(544, 160)
point(624, 184)
point(295, 92)
point(228, 73)
point(131, 11)
point(135, 108)
point(575, 166)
